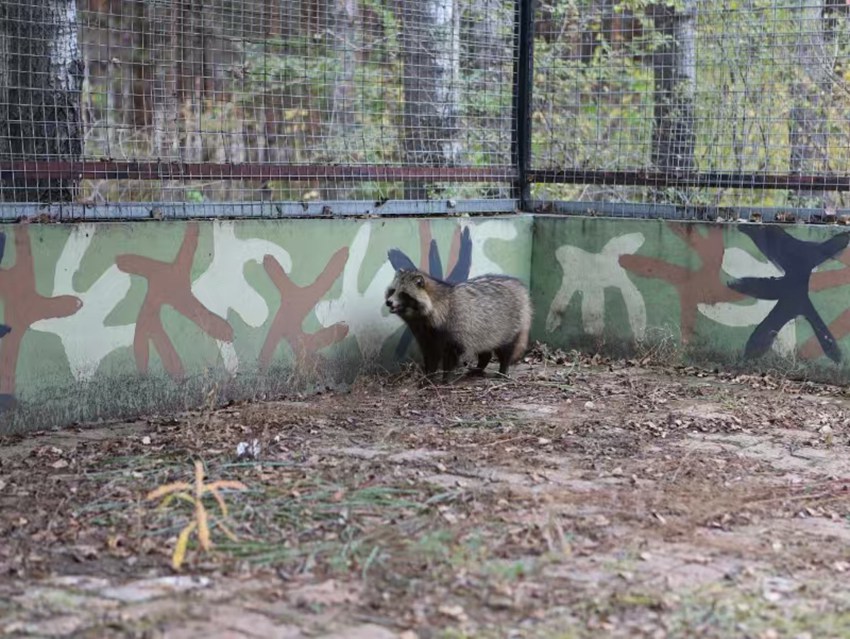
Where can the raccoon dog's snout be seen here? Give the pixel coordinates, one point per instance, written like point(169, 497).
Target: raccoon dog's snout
point(391, 304)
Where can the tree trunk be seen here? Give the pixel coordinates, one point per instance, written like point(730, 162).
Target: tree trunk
point(674, 67)
point(346, 45)
point(489, 25)
point(190, 74)
point(810, 94)
point(342, 122)
point(162, 49)
point(41, 76)
point(430, 38)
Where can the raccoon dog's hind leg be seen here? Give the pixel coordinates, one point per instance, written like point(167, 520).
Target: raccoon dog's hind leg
point(506, 354)
point(513, 350)
point(483, 360)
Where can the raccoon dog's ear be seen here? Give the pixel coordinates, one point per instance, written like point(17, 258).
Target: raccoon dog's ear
point(420, 282)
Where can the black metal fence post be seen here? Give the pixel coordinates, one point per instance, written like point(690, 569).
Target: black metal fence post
point(523, 80)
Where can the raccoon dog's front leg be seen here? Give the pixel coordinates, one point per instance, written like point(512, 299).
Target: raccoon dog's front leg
point(451, 357)
point(431, 357)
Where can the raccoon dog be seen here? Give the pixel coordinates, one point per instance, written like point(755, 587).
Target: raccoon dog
point(485, 315)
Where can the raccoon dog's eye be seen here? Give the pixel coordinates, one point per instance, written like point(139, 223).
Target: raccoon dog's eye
point(390, 291)
point(420, 282)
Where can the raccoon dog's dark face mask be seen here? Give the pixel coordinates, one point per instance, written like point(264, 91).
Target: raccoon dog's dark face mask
point(401, 295)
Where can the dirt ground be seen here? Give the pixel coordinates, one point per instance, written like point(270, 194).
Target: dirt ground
point(584, 498)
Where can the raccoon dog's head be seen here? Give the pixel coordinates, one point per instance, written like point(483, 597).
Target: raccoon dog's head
point(407, 295)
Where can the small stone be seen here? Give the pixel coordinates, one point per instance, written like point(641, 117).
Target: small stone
point(55, 627)
point(455, 612)
point(81, 582)
point(146, 589)
point(365, 631)
point(245, 449)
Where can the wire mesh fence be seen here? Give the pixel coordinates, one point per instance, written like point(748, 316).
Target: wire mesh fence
point(692, 103)
point(701, 103)
point(111, 101)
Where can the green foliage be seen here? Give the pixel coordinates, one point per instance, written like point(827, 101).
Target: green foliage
point(302, 97)
point(598, 113)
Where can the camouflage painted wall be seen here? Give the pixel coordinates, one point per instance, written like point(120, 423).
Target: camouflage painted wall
point(747, 294)
point(111, 319)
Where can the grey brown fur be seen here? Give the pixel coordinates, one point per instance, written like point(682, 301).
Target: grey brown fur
point(482, 316)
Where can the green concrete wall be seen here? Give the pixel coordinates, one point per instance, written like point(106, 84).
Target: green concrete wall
point(749, 295)
point(106, 320)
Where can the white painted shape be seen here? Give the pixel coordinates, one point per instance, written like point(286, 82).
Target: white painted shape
point(738, 263)
point(589, 274)
point(593, 310)
point(785, 342)
point(737, 315)
point(479, 235)
point(364, 313)
point(85, 337)
point(228, 356)
point(223, 285)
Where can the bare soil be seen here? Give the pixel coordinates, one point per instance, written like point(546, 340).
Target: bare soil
point(582, 498)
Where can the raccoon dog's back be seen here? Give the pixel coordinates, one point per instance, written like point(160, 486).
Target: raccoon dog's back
point(488, 313)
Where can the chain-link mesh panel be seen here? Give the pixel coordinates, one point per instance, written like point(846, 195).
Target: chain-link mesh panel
point(695, 102)
point(111, 101)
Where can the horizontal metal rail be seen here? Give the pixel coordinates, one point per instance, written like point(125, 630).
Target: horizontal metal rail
point(121, 170)
point(255, 210)
point(707, 179)
point(729, 214)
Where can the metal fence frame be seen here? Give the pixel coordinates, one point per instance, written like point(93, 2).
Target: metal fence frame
point(521, 176)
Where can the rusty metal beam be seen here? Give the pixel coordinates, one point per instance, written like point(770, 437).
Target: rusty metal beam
point(707, 179)
point(115, 170)
point(120, 170)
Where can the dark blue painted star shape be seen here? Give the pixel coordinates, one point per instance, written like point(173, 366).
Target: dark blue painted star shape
point(460, 273)
point(797, 259)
